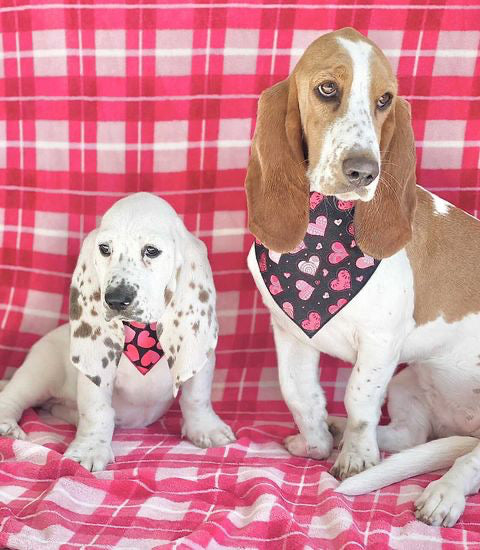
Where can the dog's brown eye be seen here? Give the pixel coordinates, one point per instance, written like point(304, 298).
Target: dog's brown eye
point(384, 101)
point(104, 249)
point(151, 252)
point(328, 89)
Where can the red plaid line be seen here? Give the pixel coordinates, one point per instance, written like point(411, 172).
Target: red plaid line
point(105, 99)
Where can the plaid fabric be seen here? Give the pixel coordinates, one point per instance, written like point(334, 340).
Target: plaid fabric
point(104, 99)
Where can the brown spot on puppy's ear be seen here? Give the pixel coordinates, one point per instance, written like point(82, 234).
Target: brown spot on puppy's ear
point(104, 362)
point(95, 379)
point(191, 284)
point(196, 327)
point(171, 362)
point(111, 355)
point(83, 331)
point(75, 307)
point(76, 359)
point(210, 314)
point(203, 296)
point(97, 296)
point(168, 295)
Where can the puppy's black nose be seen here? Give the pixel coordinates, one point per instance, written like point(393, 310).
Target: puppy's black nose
point(119, 298)
point(360, 171)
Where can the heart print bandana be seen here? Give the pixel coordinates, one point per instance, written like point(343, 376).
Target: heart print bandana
point(142, 347)
point(326, 270)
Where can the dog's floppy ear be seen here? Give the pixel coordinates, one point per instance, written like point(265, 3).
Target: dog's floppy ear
point(276, 183)
point(188, 329)
point(383, 226)
point(95, 344)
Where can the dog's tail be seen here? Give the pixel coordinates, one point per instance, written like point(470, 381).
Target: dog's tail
point(434, 455)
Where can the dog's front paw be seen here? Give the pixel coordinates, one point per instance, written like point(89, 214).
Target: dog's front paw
point(92, 455)
point(208, 432)
point(351, 462)
point(441, 503)
point(10, 428)
point(321, 448)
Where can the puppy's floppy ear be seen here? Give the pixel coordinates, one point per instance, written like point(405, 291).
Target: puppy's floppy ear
point(276, 183)
point(383, 226)
point(95, 344)
point(188, 329)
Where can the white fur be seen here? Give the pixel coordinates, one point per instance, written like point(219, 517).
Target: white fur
point(352, 132)
point(121, 395)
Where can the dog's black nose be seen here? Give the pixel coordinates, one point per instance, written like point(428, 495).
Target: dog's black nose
point(119, 298)
point(360, 171)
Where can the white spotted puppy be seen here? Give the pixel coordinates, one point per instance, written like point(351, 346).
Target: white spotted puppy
point(142, 324)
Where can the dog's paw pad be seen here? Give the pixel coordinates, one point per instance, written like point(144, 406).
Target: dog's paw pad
point(212, 433)
point(93, 456)
point(440, 504)
point(10, 428)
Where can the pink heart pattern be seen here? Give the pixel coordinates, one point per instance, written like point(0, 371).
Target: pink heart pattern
point(305, 289)
point(318, 278)
point(275, 286)
point(315, 200)
point(343, 281)
point(313, 322)
point(335, 307)
point(338, 253)
point(364, 262)
point(318, 227)
point(288, 309)
point(140, 339)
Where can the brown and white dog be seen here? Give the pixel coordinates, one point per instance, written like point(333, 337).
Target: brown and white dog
point(336, 126)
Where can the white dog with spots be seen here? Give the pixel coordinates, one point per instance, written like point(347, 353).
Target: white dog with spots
point(142, 266)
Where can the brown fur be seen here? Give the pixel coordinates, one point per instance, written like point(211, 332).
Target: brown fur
point(444, 252)
point(383, 226)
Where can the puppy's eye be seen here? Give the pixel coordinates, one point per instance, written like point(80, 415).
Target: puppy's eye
point(151, 252)
point(328, 90)
point(104, 249)
point(384, 101)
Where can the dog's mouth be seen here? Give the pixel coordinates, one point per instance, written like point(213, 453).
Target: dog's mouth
point(135, 314)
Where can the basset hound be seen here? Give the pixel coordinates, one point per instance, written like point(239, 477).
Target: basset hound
point(353, 259)
point(142, 325)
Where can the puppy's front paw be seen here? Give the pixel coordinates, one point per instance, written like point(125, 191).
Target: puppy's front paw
point(92, 455)
point(10, 428)
point(351, 462)
point(441, 503)
point(208, 432)
point(297, 445)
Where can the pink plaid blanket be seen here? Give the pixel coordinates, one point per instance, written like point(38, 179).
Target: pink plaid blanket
point(101, 99)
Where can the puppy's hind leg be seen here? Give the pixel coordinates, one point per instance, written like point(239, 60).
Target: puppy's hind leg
point(30, 385)
point(200, 422)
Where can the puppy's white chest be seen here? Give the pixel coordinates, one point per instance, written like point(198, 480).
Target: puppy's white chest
point(140, 399)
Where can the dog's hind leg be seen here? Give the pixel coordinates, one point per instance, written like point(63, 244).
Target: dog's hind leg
point(32, 383)
point(409, 414)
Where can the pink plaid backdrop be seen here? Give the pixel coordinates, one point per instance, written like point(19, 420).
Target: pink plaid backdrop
point(105, 99)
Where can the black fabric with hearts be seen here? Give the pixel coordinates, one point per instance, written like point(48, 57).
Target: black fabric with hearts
point(325, 272)
point(142, 347)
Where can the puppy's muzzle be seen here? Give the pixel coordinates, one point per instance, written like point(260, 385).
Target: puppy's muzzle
point(360, 171)
point(118, 298)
